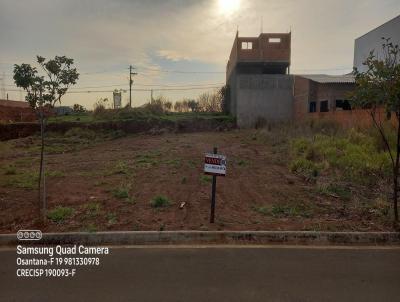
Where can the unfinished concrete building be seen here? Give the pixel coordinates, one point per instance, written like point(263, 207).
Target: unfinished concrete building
point(257, 75)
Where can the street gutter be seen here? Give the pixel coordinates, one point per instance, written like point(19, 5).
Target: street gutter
point(210, 237)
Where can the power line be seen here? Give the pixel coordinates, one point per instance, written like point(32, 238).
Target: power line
point(154, 86)
point(139, 89)
point(103, 86)
point(149, 90)
point(97, 72)
point(180, 85)
point(194, 71)
point(180, 71)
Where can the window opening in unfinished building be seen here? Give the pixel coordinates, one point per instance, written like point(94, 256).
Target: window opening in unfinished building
point(343, 105)
point(313, 107)
point(324, 106)
point(274, 40)
point(247, 45)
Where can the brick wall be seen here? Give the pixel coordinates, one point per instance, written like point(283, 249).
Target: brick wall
point(306, 90)
point(351, 118)
point(15, 111)
point(262, 50)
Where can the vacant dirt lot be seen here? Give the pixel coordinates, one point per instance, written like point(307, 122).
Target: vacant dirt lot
point(109, 185)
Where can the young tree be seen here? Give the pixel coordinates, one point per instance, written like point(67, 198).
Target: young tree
point(185, 105)
point(224, 96)
point(178, 106)
point(43, 92)
point(379, 88)
point(167, 106)
point(77, 108)
point(193, 105)
point(210, 101)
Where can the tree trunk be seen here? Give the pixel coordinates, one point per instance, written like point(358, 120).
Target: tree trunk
point(396, 188)
point(42, 197)
point(396, 172)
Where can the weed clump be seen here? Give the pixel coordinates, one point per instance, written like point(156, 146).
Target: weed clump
point(59, 214)
point(111, 218)
point(92, 209)
point(205, 179)
point(305, 167)
point(335, 190)
point(121, 167)
point(91, 228)
point(10, 170)
point(160, 201)
point(121, 193)
point(285, 210)
point(81, 133)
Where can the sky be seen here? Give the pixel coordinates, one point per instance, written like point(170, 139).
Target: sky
point(179, 48)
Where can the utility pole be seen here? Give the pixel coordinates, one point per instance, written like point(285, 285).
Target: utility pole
point(130, 84)
point(151, 95)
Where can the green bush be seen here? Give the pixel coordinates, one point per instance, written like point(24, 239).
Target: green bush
point(354, 155)
point(140, 113)
point(300, 145)
point(160, 201)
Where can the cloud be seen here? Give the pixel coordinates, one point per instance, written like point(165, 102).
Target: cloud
point(172, 55)
point(108, 36)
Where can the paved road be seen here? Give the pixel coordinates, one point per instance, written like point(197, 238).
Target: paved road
point(218, 274)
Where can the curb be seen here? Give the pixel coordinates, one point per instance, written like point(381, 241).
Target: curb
point(211, 237)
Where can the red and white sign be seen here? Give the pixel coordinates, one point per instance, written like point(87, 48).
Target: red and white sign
point(215, 164)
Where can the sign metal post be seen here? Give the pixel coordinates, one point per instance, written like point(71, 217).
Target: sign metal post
point(214, 185)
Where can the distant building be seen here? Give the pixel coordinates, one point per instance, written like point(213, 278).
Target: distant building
point(257, 76)
point(15, 111)
point(372, 41)
point(63, 110)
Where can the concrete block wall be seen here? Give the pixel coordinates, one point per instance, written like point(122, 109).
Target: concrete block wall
point(262, 96)
point(302, 87)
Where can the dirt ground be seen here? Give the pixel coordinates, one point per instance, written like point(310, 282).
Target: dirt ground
point(109, 186)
